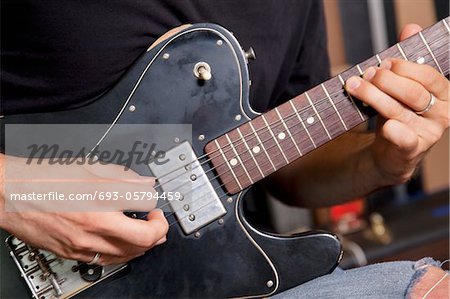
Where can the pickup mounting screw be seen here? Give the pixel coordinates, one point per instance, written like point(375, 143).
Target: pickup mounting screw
point(182, 157)
point(191, 217)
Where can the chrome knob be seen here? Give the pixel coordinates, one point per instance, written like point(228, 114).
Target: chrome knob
point(250, 54)
point(202, 71)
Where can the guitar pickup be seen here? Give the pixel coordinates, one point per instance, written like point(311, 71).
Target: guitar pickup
point(198, 204)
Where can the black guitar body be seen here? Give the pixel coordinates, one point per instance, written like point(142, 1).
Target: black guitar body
point(228, 257)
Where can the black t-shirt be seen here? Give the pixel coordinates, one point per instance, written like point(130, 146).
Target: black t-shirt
point(59, 54)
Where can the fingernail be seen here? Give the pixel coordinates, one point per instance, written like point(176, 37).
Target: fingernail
point(386, 64)
point(158, 210)
point(353, 83)
point(370, 73)
point(162, 240)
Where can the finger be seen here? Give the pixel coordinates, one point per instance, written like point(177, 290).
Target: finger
point(409, 30)
point(139, 232)
point(405, 90)
point(106, 259)
point(426, 75)
point(402, 136)
point(380, 101)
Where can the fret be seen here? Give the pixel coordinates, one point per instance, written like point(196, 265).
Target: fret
point(303, 124)
point(251, 152)
point(446, 25)
point(351, 98)
point(378, 58)
point(239, 158)
point(334, 106)
point(359, 70)
point(229, 166)
point(288, 131)
point(431, 52)
point(262, 145)
point(274, 138)
point(318, 115)
point(402, 52)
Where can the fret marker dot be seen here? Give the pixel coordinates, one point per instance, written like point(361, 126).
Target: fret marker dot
point(281, 136)
point(233, 162)
point(256, 149)
point(420, 60)
point(310, 120)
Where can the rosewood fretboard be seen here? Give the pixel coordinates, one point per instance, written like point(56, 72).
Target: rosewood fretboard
point(280, 136)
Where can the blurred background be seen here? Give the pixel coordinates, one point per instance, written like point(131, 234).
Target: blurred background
point(406, 222)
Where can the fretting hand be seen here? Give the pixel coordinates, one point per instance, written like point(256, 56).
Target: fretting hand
point(412, 101)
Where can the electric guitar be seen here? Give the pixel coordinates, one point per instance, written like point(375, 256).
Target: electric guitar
point(199, 76)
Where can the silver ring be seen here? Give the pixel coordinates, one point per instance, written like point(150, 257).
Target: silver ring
point(95, 259)
point(428, 107)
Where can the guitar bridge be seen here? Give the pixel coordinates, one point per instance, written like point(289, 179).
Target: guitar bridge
point(51, 277)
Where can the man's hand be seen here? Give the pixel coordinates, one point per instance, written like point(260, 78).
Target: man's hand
point(76, 234)
point(397, 89)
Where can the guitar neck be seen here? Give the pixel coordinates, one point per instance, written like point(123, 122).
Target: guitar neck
point(280, 136)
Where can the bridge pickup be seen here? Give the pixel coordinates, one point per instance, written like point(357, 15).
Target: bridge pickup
point(182, 172)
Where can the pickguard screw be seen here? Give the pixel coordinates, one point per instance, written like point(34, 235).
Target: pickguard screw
point(197, 235)
point(269, 283)
point(220, 221)
point(166, 56)
point(132, 108)
point(219, 42)
point(201, 137)
point(238, 117)
point(176, 140)
point(230, 199)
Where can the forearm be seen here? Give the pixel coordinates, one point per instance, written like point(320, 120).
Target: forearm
point(340, 170)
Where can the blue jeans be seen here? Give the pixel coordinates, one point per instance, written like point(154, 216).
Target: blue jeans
point(391, 280)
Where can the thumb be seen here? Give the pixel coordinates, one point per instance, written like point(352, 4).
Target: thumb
point(409, 30)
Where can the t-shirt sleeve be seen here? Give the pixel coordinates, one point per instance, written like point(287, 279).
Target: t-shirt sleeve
point(312, 65)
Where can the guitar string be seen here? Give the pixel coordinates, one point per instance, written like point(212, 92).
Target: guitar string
point(279, 122)
point(242, 174)
point(262, 142)
point(252, 133)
